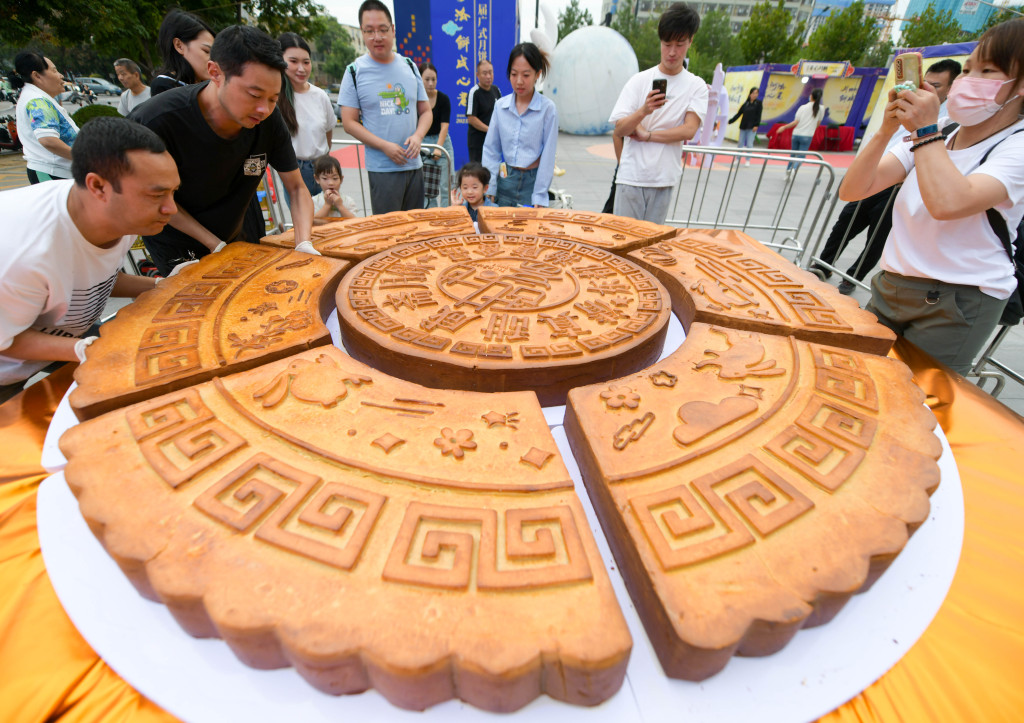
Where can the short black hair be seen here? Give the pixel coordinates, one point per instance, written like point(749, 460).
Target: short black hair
point(102, 147)
point(128, 64)
point(26, 63)
point(533, 55)
point(946, 65)
point(474, 170)
point(186, 27)
point(326, 164)
point(482, 61)
point(370, 5)
point(679, 22)
point(237, 45)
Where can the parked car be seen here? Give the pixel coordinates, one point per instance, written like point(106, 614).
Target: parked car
point(99, 86)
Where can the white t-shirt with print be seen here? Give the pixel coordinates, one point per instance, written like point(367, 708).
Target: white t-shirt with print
point(51, 279)
point(657, 164)
point(346, 201)
point(315, 117)
point(964, 250)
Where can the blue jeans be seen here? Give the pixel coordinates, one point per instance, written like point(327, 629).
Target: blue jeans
point(306, 169)
point(800, 143)
point(747, 138)
point(516, 189)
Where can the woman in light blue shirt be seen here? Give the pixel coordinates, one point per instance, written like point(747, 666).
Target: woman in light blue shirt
point(523, 134)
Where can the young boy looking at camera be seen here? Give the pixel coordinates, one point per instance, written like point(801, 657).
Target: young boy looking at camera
point(330, 202)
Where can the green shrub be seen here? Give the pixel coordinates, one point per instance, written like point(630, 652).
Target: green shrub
point(88, 112)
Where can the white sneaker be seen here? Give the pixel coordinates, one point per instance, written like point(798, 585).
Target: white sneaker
point(746, 162)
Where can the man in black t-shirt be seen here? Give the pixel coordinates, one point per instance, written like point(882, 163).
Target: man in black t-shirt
point(479, 109)
point(222, 134)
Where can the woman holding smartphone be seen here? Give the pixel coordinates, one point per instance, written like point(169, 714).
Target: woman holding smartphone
point(519, 149)
point(946, 274)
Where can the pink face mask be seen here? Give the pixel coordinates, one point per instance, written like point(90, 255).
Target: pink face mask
point(973, 100)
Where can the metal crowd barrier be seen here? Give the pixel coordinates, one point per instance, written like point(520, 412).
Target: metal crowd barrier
point(707, 191)
point(281, 216)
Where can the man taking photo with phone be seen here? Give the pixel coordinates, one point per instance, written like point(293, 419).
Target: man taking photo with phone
point(658, 109)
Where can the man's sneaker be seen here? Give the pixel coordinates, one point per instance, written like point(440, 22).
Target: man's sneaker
point(846, 287)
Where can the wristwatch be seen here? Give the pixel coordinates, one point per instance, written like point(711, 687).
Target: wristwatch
point(926, 131)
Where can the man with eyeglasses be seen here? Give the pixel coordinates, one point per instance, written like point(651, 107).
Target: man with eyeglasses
point(384, 105)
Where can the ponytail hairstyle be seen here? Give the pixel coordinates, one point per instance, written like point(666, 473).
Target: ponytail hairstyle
point(26, 63)
point(286, 102)
point(816, 97)
point(186, 27)
point(535, 57)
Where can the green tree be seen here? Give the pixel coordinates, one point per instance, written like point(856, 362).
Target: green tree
point(129, 28)
point(846, 34)
point(333, 50)
point(878, 55)
point(930, 28)
point(572, 18)
point(770, 35)
point(714, 43)
point(642, 36)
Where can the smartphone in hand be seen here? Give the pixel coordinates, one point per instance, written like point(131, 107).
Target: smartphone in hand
point(907, 69)
point(660, 85)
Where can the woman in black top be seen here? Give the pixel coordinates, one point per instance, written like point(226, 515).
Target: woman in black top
point(751, 119)
point(436, 175)
point(185, 43)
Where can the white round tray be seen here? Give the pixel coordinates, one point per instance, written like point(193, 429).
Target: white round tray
point(201, 680)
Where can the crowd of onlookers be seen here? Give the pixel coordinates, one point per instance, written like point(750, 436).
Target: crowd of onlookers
point(182, 170)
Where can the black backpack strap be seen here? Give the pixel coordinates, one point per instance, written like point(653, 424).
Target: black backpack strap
point(995, 219)
point(352, 72)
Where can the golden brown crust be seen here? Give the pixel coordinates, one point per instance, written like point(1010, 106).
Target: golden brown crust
point(370, 532)
point(498, 312)
point(722, 279)
point(355, 239)
point(603, 230)
point(231, 311)
point(750, 484)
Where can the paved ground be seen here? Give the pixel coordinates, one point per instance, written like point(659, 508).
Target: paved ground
point(759, 198)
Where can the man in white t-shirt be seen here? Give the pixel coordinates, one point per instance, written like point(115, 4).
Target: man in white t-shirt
point(655, 123)
point(65, 241)
point(130, 76)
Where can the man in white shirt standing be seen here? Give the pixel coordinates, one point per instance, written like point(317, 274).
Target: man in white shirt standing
point(655, 122)
point(129, 75)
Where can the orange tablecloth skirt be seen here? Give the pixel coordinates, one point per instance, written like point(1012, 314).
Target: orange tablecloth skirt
point(968, 666)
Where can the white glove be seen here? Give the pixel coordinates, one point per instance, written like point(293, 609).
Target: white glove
point(306, 247)
point(80, 346)
point(181, 266)
point(219, 246)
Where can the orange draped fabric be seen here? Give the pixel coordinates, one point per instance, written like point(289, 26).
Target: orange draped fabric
point(967, 666)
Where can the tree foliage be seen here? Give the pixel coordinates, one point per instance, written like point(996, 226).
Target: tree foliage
point(714, 43)
point(572, 18)
point(846, 34)
point(333, 50)
point(641, 35)
point(930, 28)
point(878, 55)
point(770, 35)
point(129, 28)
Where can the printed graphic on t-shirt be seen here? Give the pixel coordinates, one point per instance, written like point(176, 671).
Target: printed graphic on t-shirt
point(84, 309)
point(393, 100)
point(43, 114)
point(255, 165)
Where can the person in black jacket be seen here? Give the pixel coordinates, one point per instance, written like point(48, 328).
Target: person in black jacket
point(751, 119)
